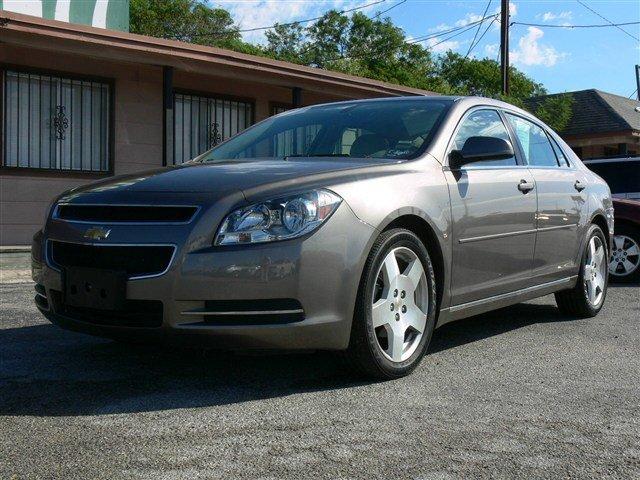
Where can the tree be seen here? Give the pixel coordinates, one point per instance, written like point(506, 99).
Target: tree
point(185, 20)
point(470, 76)
point(555, 110)
point(285, 42)
point(370, 47)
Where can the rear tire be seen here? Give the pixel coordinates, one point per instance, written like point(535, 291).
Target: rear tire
point(587, 298)
point(391, 342)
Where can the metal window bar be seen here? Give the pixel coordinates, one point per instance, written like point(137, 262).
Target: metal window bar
point(201, 122)
point(55, 123)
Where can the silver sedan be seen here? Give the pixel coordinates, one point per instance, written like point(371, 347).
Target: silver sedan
point(357, 226)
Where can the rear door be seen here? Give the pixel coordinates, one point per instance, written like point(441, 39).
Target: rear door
point(493, 216)
point(562, 201)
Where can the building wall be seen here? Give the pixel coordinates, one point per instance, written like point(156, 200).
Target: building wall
point(603, 146)
point(25, 194)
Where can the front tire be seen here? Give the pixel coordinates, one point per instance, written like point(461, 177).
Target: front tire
point(395, 309)
point(586, 299)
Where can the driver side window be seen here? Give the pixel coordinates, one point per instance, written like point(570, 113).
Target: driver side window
point(483, 123)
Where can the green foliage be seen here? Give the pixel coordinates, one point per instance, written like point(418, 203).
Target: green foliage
point(470, 76)
point(185, 20)
point(370, 47)
point(555, 111)
point(285, 42)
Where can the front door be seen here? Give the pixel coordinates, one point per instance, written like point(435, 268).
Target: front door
point(561, 201)
point(493, 217)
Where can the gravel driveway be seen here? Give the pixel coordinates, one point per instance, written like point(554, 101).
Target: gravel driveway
point(518, 393)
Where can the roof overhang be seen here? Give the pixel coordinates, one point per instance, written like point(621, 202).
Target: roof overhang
point(34, 32)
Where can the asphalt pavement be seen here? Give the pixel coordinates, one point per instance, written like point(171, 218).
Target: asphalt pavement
point(523, 392)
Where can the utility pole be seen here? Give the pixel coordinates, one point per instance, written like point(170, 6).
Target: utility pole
point(638, 80)
point(504, 46)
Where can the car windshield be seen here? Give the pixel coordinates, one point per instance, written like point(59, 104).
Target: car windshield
point(378, 129)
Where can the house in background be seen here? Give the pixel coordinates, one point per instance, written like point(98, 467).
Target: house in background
point(81, 103)
point(602, 125)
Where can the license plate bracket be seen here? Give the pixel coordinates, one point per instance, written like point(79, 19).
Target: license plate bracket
point(95, 288)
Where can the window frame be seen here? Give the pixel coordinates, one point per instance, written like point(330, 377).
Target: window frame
point(111, 122)
point(517, 153)
point(276, 105)
point(209, 96)
point(550, 139)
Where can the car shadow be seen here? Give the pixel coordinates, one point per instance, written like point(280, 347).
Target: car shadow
point(46, 371)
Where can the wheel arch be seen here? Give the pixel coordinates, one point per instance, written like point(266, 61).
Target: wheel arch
point(427, 235)
point(600, 220)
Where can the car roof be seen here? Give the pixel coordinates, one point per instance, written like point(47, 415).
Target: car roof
point(463, 101)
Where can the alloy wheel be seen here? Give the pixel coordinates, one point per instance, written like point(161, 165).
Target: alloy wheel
point(625, 257)
point(400, 304)
point(595, 271)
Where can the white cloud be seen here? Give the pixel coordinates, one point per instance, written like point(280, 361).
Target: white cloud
point(438, 46)
point(491, 50)
point(441, 27)
point(513, 9)
point(469, 18)
point(531, 52)
point(550, 16)
point(259, 13)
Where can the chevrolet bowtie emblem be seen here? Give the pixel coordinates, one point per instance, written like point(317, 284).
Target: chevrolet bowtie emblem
point(97, 233)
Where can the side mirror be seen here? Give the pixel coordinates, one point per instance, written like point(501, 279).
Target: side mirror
point(477, 149)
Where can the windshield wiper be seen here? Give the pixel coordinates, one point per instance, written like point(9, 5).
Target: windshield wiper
point(316, 155)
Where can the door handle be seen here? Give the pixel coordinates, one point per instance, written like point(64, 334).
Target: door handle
point(579, 186)
point(524, 186)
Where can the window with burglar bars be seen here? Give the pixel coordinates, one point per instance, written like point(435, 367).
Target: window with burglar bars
point(276, 109)
point(296, 141)
point(55, 123)
point(202, 122)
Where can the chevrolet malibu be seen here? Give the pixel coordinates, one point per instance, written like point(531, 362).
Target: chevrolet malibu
point(357, 226)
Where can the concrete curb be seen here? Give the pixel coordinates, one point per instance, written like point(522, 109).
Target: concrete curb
point(15, 249)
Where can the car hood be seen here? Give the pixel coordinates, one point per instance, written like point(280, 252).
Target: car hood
point(224, 177)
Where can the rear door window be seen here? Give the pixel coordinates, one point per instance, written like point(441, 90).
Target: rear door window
point(535, 144)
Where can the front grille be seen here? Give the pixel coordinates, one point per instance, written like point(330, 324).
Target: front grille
point(125, 213)
point(136, 261)
point(249, 312)
point(135, 313)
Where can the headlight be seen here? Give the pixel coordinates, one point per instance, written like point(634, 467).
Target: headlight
point(278, 219)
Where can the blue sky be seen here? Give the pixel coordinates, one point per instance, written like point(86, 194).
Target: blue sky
point(562, 59)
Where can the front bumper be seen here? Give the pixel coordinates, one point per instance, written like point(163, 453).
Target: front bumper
point(321, 272)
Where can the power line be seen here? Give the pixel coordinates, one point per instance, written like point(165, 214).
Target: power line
point(429, 47)
point(389, 9)
point(307, 20)
point(481, 36)
point(607, 20)
point(297, 22)
point(601, 25)
point(484, 14)
point(464, 27)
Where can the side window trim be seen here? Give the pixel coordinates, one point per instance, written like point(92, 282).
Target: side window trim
point(465, 115)
point(557, 148)
point(553, 148)
point(515, 142)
